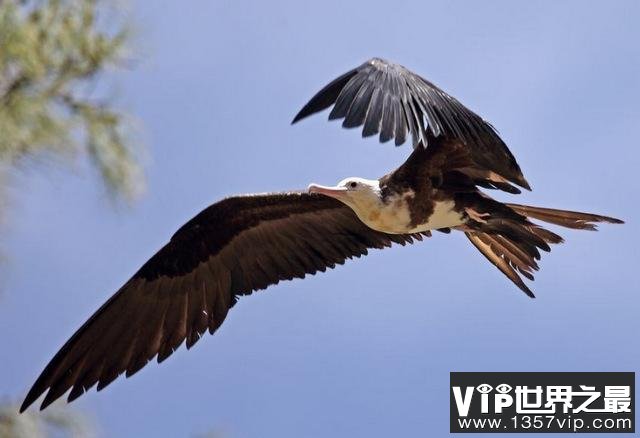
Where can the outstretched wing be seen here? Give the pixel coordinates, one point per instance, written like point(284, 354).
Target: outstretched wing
point(391, 100)
point(234, 247)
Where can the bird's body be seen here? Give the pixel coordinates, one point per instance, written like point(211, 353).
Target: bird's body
point(396, 209)
point(246, 243)
point(394, 215)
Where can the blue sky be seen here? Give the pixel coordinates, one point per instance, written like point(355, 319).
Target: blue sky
point(366, 348)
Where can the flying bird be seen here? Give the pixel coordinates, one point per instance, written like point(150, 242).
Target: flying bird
point(246, 243)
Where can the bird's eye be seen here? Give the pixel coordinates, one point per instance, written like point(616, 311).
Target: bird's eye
point(353, 185)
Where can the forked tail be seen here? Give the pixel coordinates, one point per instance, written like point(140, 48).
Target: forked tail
point(512, 243)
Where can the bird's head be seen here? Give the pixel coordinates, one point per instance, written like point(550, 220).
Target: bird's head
point(361, 194)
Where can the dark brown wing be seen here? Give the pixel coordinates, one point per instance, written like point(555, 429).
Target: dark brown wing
point(449, 164)
point(389, 99)
point(232, 248)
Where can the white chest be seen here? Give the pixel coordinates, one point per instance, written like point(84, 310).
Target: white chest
point(394, 217)
point(443, 216)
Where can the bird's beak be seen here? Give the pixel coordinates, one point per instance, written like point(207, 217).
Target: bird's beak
point(333, 192)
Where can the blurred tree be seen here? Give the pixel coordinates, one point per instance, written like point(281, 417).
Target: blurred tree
point(51, 53)
point(60, 422)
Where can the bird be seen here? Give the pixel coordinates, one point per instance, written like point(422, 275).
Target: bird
point(247, 243)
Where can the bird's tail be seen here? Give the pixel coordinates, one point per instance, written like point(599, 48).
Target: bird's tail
point(511, 242)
